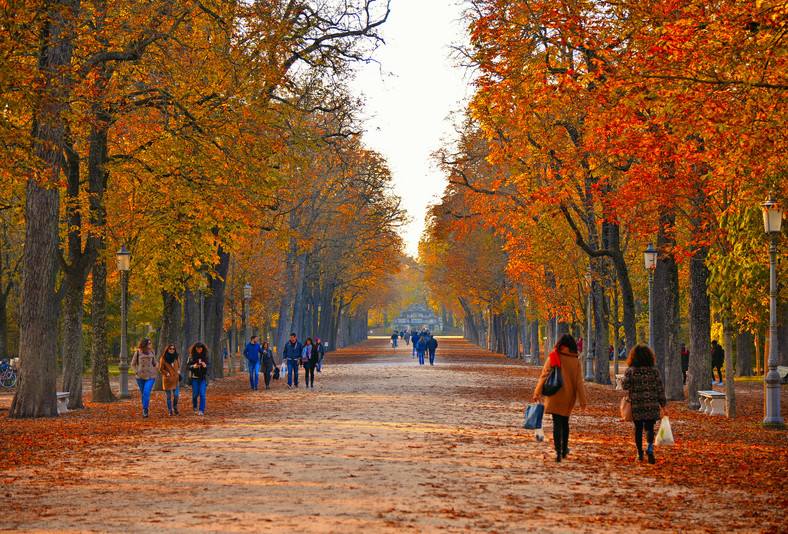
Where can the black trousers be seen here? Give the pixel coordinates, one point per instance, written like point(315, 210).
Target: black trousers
point(309, 371)
point(560, 432)
point(648, 424)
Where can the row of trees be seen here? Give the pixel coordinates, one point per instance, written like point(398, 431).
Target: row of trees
point(596, 128)
point(202, 134)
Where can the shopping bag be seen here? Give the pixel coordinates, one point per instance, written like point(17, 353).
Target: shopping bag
point(533, 416)
point(665, 435)
point(539, 434)
point(276, 373)
point(553, 383)
point(626, 409)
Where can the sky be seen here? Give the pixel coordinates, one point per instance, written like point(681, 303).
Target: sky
point(410, 94)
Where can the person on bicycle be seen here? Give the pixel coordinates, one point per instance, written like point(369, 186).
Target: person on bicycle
point(394, 338)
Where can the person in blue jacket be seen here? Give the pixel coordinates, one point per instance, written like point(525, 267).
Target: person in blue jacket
point(291, 353)
point(432, 344)
point(414, 338)
point(421, 346)
point(252, 354)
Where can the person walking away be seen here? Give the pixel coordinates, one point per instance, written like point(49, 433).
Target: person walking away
point(414, 338)
point(291, 353)
point(421, 347)
point(717, 361)
point(646, 395)
point(432, 344)
point(406, 336)
point(321, 351)
point(198, 367)
point(252, 353)
point(685, 361)
point(561, 404)
point(268, 363)
point(144, 363)
point(170, 369)
point(306, 357)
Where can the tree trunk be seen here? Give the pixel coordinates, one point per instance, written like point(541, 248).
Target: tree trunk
point(700, 328)
point(191, 328)
point(214, 315)
point(730, 383)
point(601, 334)
point(100, 376)
point(666, 307)
point(298, 298)
point(782, 333)
point(36, 389)
point(169, 326)
point(745, 350)
point(535, 356)
point(471, 332)
point(3, 325)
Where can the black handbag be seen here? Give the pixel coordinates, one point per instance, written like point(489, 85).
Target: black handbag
point(276, 373)
point(553, 383)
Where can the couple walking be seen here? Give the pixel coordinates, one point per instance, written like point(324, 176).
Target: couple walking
point(259, 357)
point(309, 355)
point(642, 380)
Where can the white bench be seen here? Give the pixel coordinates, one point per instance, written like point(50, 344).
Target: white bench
point(619, 381)
point(712, 402)
point(62, 402)
point(783, 372)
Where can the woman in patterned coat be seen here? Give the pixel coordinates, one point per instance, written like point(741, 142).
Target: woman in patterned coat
point(646, 394)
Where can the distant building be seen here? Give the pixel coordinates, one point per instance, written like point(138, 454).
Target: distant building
point(417, 317)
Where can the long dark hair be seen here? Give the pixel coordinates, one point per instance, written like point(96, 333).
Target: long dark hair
point(567, 341)
point(144, 344)
point(194, 355)
point(641, 356)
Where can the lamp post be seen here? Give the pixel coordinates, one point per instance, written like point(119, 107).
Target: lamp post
point(772, 222)
point(650, 258)
point(589, 359)
point(124, 260)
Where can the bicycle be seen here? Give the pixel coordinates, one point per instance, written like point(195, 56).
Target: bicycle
point(8, 375)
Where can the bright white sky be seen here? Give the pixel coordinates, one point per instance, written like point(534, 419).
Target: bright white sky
point(409, 95)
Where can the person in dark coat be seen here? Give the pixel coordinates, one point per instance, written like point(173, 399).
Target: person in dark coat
point(432, 344)
point(684, 361)
point(291, 353)
point(414, 338)
point(717, 361)
point(198, 367)
point(252, 354)
point(268, 364)
point(646, 395)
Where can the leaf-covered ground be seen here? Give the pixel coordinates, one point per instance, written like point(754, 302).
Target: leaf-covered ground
point(384, 445)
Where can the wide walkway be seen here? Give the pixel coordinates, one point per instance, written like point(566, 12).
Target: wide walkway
point(380, 444)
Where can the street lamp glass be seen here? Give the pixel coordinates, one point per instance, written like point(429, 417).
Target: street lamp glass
point(124, 258)
point(650, 257)
point(772, 216)
point(247, 291)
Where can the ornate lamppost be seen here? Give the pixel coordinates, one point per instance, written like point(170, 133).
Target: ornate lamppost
point(589, 357)
point(124, 261)
point(772, 223)
point(650, 258)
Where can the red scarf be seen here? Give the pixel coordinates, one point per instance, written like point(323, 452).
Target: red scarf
point(555, 360)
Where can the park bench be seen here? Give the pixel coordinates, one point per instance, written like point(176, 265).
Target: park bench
point(783, 370)
point(62, 402)
point(712, 402)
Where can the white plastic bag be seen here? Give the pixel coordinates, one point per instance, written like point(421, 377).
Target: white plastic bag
point(539, 434)
point(665, 435)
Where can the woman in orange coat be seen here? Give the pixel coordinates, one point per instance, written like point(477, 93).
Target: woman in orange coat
point(561, 403)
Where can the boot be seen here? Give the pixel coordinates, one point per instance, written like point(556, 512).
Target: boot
point(650, 453)
point(640, 455)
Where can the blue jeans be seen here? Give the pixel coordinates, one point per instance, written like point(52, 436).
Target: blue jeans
point(414, 350)
point(172, 398)
point(421, 357)
point(394, 342)
point(198, 390)
point(319, 364)
point(432, 357)
point(146, 386)
point(292, 372)
point(254, 373)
